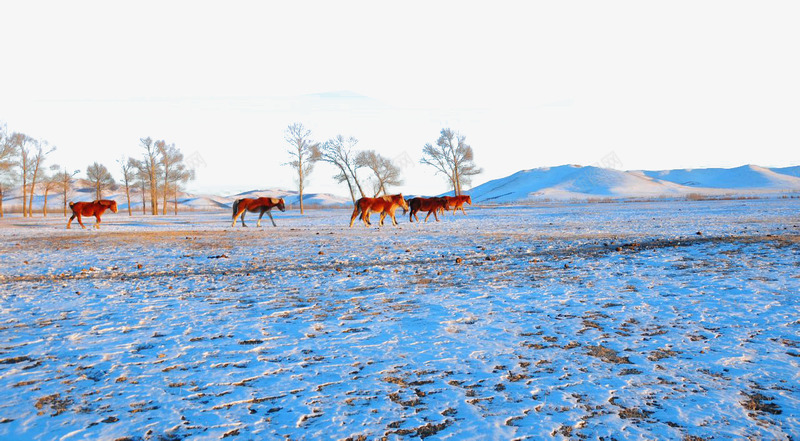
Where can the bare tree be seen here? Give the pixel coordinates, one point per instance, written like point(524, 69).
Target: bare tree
point(22, 146)
point(64, 179)
point(49, 182)
point(302, 152)
point(128, 175)
point(152, 169)
point(100, 178)
point(384, 171)
point(142, 180)
point(452, 157)
point(339, 152)
point(7, 152)
point(40, 152)
point(173, 170)
point(179, 176)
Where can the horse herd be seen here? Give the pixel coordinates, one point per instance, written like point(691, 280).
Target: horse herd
point(385, 205)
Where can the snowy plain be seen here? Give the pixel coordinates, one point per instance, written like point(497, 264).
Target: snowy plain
point(623, 320)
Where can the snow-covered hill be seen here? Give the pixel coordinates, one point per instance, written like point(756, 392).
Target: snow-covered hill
point(569, 182)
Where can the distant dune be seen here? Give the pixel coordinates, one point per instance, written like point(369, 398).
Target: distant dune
point(571, 182)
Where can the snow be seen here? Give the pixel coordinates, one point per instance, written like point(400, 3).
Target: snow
point(748, 176)
point(559, 320)
point(571, 182)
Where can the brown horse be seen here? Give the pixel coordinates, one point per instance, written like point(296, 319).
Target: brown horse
point(457, 202)
point(383, 205)
point(431, 205)
point(260, 205)
point(95, 208)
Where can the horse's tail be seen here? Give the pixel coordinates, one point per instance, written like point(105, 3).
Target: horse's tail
point(235, 207)
point(356, 211)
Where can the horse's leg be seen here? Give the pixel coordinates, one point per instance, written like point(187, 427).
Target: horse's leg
point(383, 216)
point(70, 220)
point(429, 215)
point(79, 221)
point(462, 210)
point(97, 221)
point(365, 217)
point(243, 213)
point(269, 212)
point(258, 224)
point(394, 219)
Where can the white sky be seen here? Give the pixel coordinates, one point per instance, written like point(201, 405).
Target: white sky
point(679, 84)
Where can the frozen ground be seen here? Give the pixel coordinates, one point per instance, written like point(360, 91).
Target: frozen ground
point(612, 321)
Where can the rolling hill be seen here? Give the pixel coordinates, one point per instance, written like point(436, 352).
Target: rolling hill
point(572, 182)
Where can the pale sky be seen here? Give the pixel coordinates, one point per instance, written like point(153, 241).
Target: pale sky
point(660, 85)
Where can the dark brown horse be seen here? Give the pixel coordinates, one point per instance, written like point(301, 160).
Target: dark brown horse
point(456, 202)
point(95, 208)
point(383, 205)
point(431, 205)
point(260, 205)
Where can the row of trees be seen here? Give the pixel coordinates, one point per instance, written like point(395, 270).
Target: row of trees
point(451, 157)
point(159, 173)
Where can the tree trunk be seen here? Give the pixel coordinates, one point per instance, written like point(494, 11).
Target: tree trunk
point(144, 202)
point(24, 195)
point(44, 207)
point(153, 194)
point(360, 190)
point(175, 202)
point(154, 200)
point(128, 196)
point(352, 194)
point(166, 190)
point(300, 187)
point(33, 187)
point(65, 201)
point(97, 191)
point(349, 184)
point(1, 201)
point(355, 180)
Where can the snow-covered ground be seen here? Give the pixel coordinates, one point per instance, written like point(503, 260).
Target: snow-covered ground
point(664, 320)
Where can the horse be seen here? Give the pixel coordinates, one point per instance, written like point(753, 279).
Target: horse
point(457, 202)
point(260, 205)
point(431, 205)
point(383, 205)
point(94, 208)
